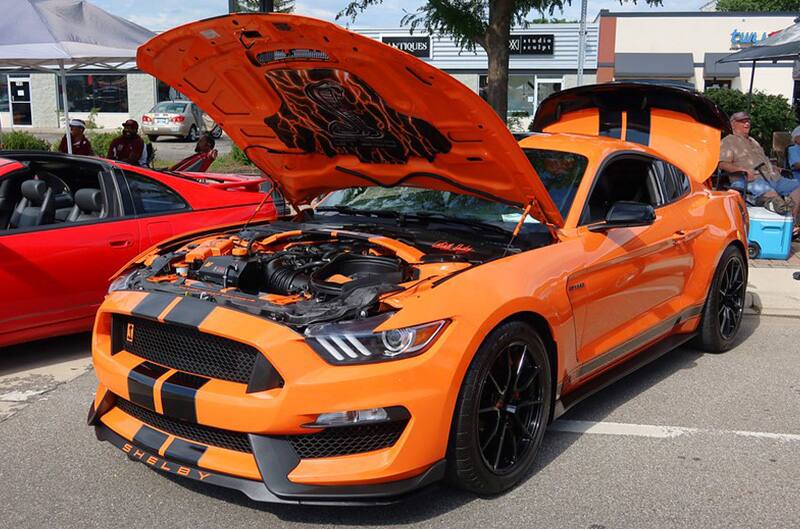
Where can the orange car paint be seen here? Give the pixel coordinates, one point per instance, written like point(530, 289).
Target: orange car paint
point(591, 294)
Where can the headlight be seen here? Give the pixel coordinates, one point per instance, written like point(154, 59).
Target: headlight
point(356, 343)
point(122, 281)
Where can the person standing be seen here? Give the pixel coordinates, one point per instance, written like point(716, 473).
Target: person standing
point(128, 147)
point(80, 143)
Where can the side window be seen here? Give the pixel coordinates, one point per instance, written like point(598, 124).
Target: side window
point(675, 183)
point(151, 197)
point(627, 178)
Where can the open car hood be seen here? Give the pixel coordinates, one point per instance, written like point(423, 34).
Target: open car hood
point(681, 125)
point(320, 108)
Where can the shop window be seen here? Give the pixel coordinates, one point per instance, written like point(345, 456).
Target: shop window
point(525, 92)
point(4, 93)
point(717, 83)
point(165, 92)
point(99, 93)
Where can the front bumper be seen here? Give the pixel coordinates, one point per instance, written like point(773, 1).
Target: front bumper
point(276, 458)
point(264, 420)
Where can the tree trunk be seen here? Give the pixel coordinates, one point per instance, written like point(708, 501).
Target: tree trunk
point(496, 46)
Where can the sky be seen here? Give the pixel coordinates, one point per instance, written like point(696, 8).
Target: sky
point(159, 15)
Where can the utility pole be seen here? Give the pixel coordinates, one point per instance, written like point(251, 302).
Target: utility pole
point(266, 6)
point(582, 42)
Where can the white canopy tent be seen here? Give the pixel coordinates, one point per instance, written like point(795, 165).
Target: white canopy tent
point(58, 36)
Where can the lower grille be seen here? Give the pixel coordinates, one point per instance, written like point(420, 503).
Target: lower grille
point(195, 432)
point(347, 440)
point(184, 348)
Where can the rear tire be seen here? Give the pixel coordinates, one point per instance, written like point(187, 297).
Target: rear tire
point(502, 412)
point(724, 307)
point(152, 138)
point(192, 136)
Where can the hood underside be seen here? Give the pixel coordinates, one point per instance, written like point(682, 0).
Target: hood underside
point(319, 108)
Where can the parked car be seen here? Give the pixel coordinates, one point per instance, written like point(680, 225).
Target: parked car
point(182, 119)
point(454, 293)
point(68, 223)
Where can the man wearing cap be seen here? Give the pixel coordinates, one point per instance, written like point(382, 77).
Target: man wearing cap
point(128, 147)
point(741, 153)
point(80, 144)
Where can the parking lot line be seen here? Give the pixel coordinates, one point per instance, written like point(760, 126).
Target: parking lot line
point(655, 431)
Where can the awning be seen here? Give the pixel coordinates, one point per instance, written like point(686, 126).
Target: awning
point(719, 70)
point(654, 65)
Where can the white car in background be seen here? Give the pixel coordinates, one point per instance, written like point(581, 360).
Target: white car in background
point(182, 119)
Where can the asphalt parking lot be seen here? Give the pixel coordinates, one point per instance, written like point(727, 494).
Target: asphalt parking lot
point(691, 440)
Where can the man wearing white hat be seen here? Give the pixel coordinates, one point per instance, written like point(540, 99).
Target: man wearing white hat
point(80, 144)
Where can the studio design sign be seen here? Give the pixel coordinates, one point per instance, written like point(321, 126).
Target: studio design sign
point(531, 44)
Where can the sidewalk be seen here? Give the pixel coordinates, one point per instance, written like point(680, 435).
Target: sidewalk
point(773, 292)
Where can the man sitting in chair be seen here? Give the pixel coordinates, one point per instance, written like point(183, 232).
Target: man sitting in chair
point(743, 154)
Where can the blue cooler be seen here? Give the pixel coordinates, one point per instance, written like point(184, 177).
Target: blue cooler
point(770, 234)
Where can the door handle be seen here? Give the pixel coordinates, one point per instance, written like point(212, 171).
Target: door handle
point(679, 236)
point(120, 243)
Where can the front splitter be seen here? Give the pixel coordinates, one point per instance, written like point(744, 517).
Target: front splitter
point(374, 494)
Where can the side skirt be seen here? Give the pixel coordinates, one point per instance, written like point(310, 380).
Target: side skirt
point(608, 377)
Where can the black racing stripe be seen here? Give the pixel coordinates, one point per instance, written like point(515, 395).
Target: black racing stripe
point(141, 380)
point(146, 437)
point(638, 126)
point(185, 451)
point(189, 311)
point(178, 395)
point(152, 305)
point(611, 123)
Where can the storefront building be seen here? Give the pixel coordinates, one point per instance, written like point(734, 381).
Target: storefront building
point(543, 59)
point(683, 47)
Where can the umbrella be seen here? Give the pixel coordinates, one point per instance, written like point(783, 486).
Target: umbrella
point(63, 35)
point(784, 44)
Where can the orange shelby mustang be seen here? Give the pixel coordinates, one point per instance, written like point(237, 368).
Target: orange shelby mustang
point(453, 293)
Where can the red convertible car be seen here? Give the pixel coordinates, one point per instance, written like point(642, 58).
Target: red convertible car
point(67, 223)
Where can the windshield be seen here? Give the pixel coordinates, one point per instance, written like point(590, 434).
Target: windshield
point(560, 172)
point(170, 108)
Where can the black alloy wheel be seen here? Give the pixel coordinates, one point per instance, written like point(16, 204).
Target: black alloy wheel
point(502, 412)
point(511, 408)
point(724, 307)
point(732, 289)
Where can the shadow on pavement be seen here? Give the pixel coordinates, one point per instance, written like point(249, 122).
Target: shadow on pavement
point(435, 501)
point(41, 353)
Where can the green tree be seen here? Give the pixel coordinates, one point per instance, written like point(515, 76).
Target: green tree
point(471, 23)
point(759, 5)
point(768, 113)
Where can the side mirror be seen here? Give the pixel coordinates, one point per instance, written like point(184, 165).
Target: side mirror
point(625, 214)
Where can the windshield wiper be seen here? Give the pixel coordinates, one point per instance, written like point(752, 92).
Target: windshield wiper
point(347, 210)
point(476, 225)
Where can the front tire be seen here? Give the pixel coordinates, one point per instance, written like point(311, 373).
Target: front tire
point(724, 307)
point(502, 411)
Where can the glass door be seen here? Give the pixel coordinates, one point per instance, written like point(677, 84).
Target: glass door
point(19, 91)
point(546, 87)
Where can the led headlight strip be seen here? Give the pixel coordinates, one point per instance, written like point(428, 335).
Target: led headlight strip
point(356, 343)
